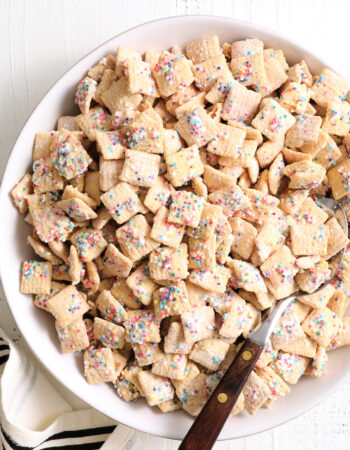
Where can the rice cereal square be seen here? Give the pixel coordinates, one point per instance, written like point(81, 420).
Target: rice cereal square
point(158, 195)
point(90, 243)
point(172, 73)
point(184, 165)
point(45, 177)
point(109, 144)
point(166, 232)
point(197, 127)
point(156, 389)
point(142, 327)
point(97, 119)
point(99, 365)
point(174, 341)
point(168, 264)
point(109, 334)
point(141, 284)
point(256, 392)
point(140, 168)
point(202, 253)
point(198, 324)
point(110, 308)
point(85, 91)
point(240, 104)
point(209, 353)
point(68, 305)
point(322, 325)
point(73, 337)
point(171, 365)
point(213, 280)
point(122, 202)
point(115, 264)
point(171, 300)
point(289, 366)
point(36, 277)
point(186, 208)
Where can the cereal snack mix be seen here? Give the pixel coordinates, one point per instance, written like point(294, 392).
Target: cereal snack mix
point(178, 206)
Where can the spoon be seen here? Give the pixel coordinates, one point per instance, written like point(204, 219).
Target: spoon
point(206, 428)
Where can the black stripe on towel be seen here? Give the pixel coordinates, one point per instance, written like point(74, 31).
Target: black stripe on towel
point(82, 433)
point(4, 358)
point(13, 444)
point(91, 446)
point(4, 347)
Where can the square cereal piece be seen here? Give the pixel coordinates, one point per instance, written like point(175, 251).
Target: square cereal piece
point(246, 276)
point(171, 366)
point(279, 270)
point(186, 208)
point(318, 365)
point(141, 284)
point(227, 142)
point(90, 243)
point(73, 337)
point(117, 96)
point(191, 373)
point(202, 253)
point(319, 299)
point(20, 192)
point(209, 72)
point(198, 324)
point(127, 383)
point(275, 383)
point(145, 132)
point(287, 330)
point(310, 213)
point(156, 389)
point(193, 395)
point(203, 49)
point(299, 73)
point(246, 47)
point(171, 300)
point(304, 131)
point(68, 305)
point(109, 144)
point(71, 192)
point(303, 346)
point(85, 91)
point(69, 156)
point(124, 55)
point(337, 120)
point(115, 264)
point(337, 239)
point(119, 362)
point(311, 279)
point(166, 232)
point(328, 87)
point(158, 195)
point(122, 202)
point(42, 144)
point(180, 97)
point(134, 238)
point(140, 168)
point(339, 179)
point(338, 303)
point(61, 273)
point(195, 102)
point(108, 333)
point(67, 122)
point(142, 327)
point(98, 69)
point(309, 239)
point(244, 234)
point(213, 280)
point(109, 174)
point(140, 80)
point(40, 300)
point(45, 177)
point(268, 152)
point(197, 127)
point(304, 174)
point(234, 321)
point(222, 303)
point(240, 104)
point(209, 353)
point(36, 277)
point(329, 154)
point(275, 68)
point(295, 97)
point(249, 69)
point(107, 79)
point(170, 405)
point(256, 393)
point(174, 341)
point(273, 120)
point(184, 165)
point(99, 365)
point(171, 141)
point(244, 156)
point(289, 366)
point(291, 200)
point(322, 325)
point(97, 119)
point(168, 264)
point(172, 73)
point(110, 308)
point(343, 336)
point(232, 200)
point(208, 222)
point(147, 354)
point(269, 239)
point(77, 209)
point(121, 292)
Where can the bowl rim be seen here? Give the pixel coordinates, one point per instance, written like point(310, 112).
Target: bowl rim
point(286, 40)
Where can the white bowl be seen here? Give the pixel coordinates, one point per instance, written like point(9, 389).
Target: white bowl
point(37, 326)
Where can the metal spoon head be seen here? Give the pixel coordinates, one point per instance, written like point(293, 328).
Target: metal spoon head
point(271, 315)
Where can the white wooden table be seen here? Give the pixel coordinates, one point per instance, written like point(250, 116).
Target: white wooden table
point(40, 39)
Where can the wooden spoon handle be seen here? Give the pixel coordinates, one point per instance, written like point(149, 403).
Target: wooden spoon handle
point(208, 424)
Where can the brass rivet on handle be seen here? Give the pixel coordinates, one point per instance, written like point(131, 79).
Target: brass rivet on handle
point(247, 355)
point(222, 398)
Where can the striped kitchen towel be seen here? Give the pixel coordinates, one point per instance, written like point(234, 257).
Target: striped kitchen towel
point(33, 415)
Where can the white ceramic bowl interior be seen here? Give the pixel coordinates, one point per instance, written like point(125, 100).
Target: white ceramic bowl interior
point(37, 326)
